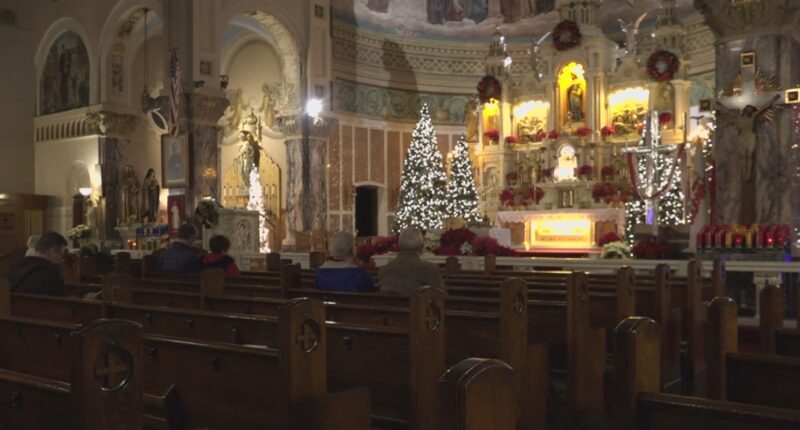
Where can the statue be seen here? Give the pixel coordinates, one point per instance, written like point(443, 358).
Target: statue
point(151, 191)
point(575, 100)
point(747, 121)
point(631, 30)
point(129, 197)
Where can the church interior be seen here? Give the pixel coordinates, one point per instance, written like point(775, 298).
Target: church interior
point(400, 214)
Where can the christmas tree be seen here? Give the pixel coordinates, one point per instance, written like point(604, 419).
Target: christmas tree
point(256, 203)
point(670, 206)
point(462, 196)
point(422, 188)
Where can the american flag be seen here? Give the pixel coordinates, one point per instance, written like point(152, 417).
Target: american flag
point(175, 92)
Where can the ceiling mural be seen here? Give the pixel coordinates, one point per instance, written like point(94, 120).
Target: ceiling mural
point(472, 18)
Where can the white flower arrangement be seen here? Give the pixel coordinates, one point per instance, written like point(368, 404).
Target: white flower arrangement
point(466, 249)
point(431, 241)
point(80, 231)
point(613, 250)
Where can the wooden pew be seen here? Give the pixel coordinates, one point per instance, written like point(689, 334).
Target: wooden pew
point(759, 379)
point(479, 394)
point(775, 339)
point(98, 387)
point(271, 386)
point(640, 404)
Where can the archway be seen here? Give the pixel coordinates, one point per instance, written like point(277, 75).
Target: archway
point(366, 211)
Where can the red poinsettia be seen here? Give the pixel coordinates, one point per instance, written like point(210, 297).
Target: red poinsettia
point(546, 173)
point(662, 65)
point(507, 197)
point(512, 139)
point(583, 131)
point(486, 245)
point(492, 135)
point(664, 118)
point(608, 130)
point(651, 248)
point(553, 134)
point(540, 135)
point(457, 237)
point(607, 171)
point(585, 170)
point(512, 177)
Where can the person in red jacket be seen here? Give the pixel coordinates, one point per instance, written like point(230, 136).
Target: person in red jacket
point(219, 256)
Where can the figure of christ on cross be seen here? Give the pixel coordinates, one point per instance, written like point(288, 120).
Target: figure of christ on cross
point(747, 122)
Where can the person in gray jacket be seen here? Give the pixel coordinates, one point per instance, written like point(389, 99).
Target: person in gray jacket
point(407, 272)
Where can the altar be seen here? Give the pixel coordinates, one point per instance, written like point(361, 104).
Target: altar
point(561, 231)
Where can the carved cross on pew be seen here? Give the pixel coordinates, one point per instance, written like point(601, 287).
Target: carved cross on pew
point(433, 317)
point(111, 369)
point(519, 303)
point(308, 339)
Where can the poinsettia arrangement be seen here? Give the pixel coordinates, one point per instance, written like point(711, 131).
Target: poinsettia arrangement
point(540, 135)
point(651, 247)
point(512, 139)
point(664, 118)
point(553, 134)
point(607, 171)
point(492, 135)
point(585, 170)
point(583, 131)
point(608, 130)
point(608, 238)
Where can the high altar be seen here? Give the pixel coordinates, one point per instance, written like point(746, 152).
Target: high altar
point(548, 148)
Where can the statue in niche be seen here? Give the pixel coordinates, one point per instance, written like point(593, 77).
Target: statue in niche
point(267, 109)
point(250, 155)
point(746, 121)
point(129, 196)
point(575, 100)
point(528, 127)
point(151, 191)
point(471, 119)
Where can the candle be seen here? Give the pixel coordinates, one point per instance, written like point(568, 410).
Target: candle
point(737, 241)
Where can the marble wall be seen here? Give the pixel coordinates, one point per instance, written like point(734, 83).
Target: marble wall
point(775, 200)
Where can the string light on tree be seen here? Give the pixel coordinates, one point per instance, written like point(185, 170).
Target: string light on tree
point(462, 196)
point(256, 203)
point(422, 201)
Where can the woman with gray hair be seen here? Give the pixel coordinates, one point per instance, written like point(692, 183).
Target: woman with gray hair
point(407, 272)
point(339, 273)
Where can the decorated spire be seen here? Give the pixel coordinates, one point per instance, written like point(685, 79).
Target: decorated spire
point(498, 62)
point(669, 32)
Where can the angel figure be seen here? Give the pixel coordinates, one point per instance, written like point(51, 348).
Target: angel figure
point(631, 30)
point(236, 110)
point(267, 109)
point(746, 121)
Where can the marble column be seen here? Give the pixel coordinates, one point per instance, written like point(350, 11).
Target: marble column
point(294, 191)
point(201, 124)
point(765, 28)
point(316, 199)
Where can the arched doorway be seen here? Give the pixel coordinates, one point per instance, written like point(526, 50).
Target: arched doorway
point(366, 209)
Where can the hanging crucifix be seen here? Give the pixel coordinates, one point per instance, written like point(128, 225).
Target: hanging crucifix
point(655, 182)
point(747, 103)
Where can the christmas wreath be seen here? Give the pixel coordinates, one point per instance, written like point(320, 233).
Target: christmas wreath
point(566, 35)
point(489, 88)
point(662, 65)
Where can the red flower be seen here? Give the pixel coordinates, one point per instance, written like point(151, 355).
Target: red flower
point(540, 135)
point(662, 65)
point(640, 128)
point(608, 130)
point(585, 170)
point(486, 245)
point(512, 139)
point(607, 171)
point(583, 131)
point(553, 134)
point(507, 197)
point(457, 237)
point(511, 176)
point(365, 251)
point(492, 135)
point(651, 247)
point(664, 118)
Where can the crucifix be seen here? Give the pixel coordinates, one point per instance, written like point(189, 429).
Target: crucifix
point(655, 183)
point(743, 107)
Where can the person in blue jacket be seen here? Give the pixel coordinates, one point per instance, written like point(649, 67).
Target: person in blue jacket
point(339, 272)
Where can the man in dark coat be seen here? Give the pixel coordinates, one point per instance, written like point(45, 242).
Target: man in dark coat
point(38, 272)
point(407, 272)
point(180, 257)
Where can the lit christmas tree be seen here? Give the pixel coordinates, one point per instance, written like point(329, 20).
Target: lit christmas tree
point(670, 206)
point(462, 196)
point(256, 203)
point(422, 188)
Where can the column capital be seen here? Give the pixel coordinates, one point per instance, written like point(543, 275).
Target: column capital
point(109, 123)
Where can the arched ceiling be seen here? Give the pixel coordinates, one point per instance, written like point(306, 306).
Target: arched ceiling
point(409, 18)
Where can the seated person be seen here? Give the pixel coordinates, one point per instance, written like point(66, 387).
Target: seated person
point(31, 250)
point(180, 257)
point(407, 272)
point(339, 273)
point(39, 272)
point(219, 257)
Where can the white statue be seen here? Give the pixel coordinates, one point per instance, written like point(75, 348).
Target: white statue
point(631, 30)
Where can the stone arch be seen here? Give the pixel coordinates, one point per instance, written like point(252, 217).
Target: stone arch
point(59, 27)
point(119, 43)
point(286, 37)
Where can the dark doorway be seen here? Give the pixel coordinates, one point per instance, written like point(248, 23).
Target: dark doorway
point(367, 211)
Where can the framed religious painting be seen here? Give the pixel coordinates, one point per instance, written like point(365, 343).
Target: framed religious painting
point(174, 161)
